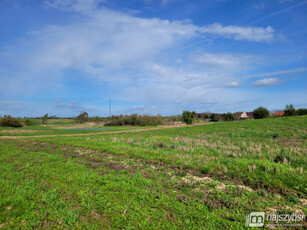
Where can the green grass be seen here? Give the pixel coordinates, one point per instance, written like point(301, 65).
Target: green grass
point(208, 176)
point(47, 130)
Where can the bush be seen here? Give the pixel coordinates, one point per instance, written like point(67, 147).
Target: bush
point(188, 117)
point(261, 112)
point(172, 119)
point(96, 119)
point(228, 116)
point(10, 122)
point(216, 117)
point(45, 118)
point(289, 110)
point(82, 118)
point(301, 112)
point(282, 157)
point(134, 120)
point(149, 120)
point(29, 122)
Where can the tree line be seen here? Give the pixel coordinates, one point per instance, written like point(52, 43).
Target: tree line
point(187, 117)
point(258, 113)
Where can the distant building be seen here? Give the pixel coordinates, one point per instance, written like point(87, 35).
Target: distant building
point(240, 116)
point(249, 114)
point(279, 113)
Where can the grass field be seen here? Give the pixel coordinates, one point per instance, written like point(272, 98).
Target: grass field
point(206, 176)
point(62, 128)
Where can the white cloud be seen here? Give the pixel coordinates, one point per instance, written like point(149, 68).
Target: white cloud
point(165, 2)
point(266, 82)
point(219, 59)
point(257, 34)
point(107, 40)
point(134, 55)
point(233, 84)
point(209, 102)
point(81, 6)
point(297, 70)
point(199, 69)
point(223, 61)
point(70, 106)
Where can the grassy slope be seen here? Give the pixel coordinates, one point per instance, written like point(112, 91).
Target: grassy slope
point(181, 178)
point(263, 153)
point(44, 187)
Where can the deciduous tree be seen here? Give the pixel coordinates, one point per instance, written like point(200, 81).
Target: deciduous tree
point(261, 112)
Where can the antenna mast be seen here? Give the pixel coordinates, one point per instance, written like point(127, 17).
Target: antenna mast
point(109, 105)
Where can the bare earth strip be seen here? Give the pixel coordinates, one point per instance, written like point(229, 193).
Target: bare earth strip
point(90, 134)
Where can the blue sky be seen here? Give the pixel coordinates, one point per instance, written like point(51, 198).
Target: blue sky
point(62, 57)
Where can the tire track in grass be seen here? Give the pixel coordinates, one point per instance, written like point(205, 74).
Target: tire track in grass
point(150, 189)
point(191, 175)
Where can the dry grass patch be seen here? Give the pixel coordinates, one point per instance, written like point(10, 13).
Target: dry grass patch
point(19, 131)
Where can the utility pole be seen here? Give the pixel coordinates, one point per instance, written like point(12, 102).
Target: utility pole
point(109, 105)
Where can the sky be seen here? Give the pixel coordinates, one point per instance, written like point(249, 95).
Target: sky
point(63, 57)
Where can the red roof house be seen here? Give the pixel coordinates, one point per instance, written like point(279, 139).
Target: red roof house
point(279, 113)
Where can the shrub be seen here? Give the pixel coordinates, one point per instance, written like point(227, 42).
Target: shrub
point(29, 122)
point(150, 120)
point(188, 117)
point(44, 118)
point(159, 145)
point(10, 122)
point(301, 112)
point(82, 118)
point(216, 117)
point(113, 123)
point(289, 110)
point(261, 112)
point(172, 119)
point(275, 135)
point(96, 119)
point(134, 120)
point(118, 121)
point(282, 157)
point(228, 116)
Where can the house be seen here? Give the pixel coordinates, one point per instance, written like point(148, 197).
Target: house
point(249, 114)
point(279, 114)
point(240, 116)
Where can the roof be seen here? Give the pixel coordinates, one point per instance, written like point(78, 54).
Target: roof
point(238, 113)
point(279, 113)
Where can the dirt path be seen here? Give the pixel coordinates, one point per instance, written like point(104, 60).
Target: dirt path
point(110, 132)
